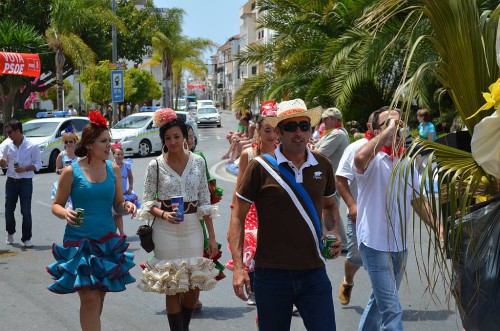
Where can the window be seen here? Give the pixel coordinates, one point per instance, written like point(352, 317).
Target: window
point(254, 70)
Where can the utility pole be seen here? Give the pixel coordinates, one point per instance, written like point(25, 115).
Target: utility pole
point(114, 59)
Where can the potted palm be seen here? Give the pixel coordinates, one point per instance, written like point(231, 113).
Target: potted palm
point(463, 35)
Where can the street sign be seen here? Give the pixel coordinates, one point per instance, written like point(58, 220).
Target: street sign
point(117, 66)
point(117, 94)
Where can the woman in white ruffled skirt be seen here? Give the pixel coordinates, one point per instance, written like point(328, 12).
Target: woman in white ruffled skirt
point(178, 268)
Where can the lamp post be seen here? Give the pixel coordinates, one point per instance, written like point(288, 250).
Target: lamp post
point(114, 59)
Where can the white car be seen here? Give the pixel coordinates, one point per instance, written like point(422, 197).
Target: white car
point(137, 134)
point(208, 115)
point(47, 132)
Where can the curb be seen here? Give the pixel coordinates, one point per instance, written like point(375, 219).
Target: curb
point(219, 172)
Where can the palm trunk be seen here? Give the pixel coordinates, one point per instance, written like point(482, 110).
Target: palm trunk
point(59, 77)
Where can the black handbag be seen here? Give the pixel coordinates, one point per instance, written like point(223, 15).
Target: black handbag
point(145, 232)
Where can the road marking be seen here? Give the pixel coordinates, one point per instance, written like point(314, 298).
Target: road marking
point(8, 253)
point(227, 178)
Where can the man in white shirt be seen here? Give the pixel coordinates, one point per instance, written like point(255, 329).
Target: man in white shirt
point(22, 159)
point(71, 110)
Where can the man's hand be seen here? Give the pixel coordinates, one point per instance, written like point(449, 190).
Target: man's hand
point(335, 248)
point(3, 163)
point(353, 212)
point(240, 280)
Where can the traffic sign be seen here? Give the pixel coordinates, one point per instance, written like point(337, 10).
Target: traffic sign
point(118, 66)
point(117, 94)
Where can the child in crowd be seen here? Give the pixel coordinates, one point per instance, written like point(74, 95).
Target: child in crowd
point(126, 173)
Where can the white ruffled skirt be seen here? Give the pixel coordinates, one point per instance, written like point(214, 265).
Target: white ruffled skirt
point(178, 264)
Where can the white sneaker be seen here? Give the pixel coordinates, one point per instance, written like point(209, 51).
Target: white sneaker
point(295, 310)
point(251, 299)
point(27, 243)
point(10, 239)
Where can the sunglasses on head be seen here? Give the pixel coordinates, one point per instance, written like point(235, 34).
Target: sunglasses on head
point(292, 126)
point(68, 141)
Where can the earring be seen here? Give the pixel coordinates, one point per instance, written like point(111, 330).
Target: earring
point(164, 149)
point(185, 146)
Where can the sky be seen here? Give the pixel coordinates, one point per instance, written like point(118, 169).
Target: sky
point(216, 20)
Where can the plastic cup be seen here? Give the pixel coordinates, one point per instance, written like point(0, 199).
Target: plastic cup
point(178, 207)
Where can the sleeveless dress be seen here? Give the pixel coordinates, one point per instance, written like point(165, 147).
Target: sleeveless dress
point(251, 226)
point(178, 264)
point(93, 255)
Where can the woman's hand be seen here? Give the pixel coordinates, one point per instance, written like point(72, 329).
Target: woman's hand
point(171, 217)
point(129, 191)
point(213, 248)
point(70, 217)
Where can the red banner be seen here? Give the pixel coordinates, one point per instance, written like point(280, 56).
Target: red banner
point(193, 86)
point(21, 64)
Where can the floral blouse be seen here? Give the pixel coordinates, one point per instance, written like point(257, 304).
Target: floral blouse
point(192, 185)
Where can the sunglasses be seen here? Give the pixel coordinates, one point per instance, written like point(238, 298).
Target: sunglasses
point(68, 142)
point(292, 126)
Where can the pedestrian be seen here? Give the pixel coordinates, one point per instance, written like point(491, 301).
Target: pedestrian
point(92, 259)
point(293, 190)
point(345, 179)
point(332, 144)
point(21, 158)
point(127, 179)
point(266, 143)
point(70, 139)
point(71, 110)
point(381, 226)
point(178, 268)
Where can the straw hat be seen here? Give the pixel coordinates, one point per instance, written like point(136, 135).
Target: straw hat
point(295, 108)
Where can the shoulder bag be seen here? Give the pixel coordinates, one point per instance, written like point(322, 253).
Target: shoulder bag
point(145, 232)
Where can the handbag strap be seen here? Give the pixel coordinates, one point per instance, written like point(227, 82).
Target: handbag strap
point(157, 180)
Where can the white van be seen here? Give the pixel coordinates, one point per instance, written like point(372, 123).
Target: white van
point(204, 103)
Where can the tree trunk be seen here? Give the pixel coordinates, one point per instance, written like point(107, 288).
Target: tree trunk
point(60, 78)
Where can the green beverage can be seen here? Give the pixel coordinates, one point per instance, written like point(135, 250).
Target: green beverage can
point(16, 164)
point(327, 251)
point(80, 213)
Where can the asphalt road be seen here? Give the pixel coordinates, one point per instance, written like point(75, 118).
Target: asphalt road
point(26, 304)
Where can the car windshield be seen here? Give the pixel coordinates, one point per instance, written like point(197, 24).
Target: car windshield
point(132, 122)
point(207, 111)
point(39, 129)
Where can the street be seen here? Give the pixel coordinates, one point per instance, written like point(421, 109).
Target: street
point(28, 305)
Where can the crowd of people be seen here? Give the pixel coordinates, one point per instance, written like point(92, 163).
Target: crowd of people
point(294, 166)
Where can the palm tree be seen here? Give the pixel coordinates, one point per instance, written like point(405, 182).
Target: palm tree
point(170, 46)
point(15, 37)
point(69, 18)
point(462, 34)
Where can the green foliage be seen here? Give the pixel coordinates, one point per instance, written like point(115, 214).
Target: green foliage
point(145, 85)
point(97, 83)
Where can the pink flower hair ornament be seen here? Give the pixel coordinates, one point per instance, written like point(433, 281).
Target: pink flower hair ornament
point(163, 115)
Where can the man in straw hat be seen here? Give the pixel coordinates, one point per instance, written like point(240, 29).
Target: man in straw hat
point(293, 190)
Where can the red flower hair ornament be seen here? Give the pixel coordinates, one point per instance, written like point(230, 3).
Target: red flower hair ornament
point(97, 119)
point(163, 115)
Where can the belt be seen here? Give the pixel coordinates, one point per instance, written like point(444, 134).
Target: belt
point(18, 180)
point(190, 207)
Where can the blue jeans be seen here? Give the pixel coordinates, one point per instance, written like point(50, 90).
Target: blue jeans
point(385, 269)
point(277, 290)
point(353, 255)
point(22, 189)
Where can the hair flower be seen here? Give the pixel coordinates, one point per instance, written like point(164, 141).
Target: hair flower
point(164, 115)
point(116, 145)
point(97, 119)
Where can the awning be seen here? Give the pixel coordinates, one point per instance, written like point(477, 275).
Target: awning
point(193, 86)
point(21, 64)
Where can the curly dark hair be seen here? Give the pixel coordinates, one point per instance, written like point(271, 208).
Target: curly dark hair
point(177, 122)
point(90, 133)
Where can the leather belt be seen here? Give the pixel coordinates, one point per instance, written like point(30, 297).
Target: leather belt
point(18, 180)
point(190, 207)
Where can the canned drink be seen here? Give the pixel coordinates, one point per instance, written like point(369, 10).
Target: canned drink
point(67, 163)
point(80, 214)
point(327, 251)
point(178, 207)
point(16, 164)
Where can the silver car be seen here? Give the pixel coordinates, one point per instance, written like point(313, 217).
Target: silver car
point(208, 115)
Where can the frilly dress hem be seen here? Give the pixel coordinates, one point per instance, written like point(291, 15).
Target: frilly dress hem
point(178, 276)
point(100, 264)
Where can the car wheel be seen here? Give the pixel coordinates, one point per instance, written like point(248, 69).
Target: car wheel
point(52, 160)
point(219, 125)
point(144, 148)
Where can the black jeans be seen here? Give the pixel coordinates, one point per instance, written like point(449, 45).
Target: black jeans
point(22, 189)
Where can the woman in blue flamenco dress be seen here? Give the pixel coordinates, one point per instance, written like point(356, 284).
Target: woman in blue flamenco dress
point(93, 259)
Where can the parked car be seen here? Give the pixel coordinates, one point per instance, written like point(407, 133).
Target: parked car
point(208, 115)
point(46, 132)
point(192, 107)
point(137, 134)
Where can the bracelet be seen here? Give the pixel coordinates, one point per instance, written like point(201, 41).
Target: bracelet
point(123, 204)
point(162, 215)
